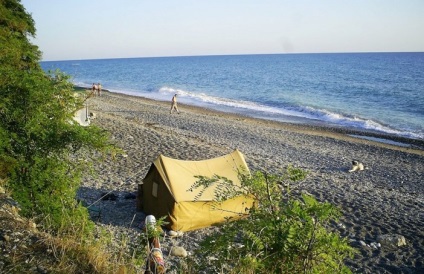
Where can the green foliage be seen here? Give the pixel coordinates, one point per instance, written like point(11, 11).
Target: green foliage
point(284, 233)
point(38, 138)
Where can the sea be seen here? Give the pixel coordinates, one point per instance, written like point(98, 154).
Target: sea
point(376, 92)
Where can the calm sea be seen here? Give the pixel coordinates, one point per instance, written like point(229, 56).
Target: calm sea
point(381, 92)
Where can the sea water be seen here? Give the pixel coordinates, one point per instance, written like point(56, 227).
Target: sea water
point(382, 92)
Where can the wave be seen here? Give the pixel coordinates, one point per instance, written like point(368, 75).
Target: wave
point(283, 113)
point(362, 123)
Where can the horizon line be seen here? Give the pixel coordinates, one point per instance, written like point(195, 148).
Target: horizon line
point(241, 54)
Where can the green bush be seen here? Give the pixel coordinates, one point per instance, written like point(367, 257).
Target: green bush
point(38, 138)
point(283, 233)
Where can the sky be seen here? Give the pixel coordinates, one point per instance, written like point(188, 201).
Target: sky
point(99, 29)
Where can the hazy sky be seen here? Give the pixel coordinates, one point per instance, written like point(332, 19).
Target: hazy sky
point(92, 29)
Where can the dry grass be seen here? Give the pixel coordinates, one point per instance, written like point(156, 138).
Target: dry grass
point(25, 249)
point(75, 257)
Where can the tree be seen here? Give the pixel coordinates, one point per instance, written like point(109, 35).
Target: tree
point(38, 139)
point(283, 233)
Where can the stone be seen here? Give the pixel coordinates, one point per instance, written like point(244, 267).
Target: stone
point(173, 233)
point(6, 238)
point(178, 251)
point(374, 245)
point(32, 226)
point(391, 240)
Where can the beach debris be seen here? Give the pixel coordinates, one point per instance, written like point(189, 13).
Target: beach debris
point(92, 115)
point(178, 251)
point(155, 262)
point(356, 166)
point(81, 117)
point(391, 240)
point(149, 224)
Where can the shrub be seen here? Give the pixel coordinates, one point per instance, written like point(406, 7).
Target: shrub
point(284, 233)
point(38, 139)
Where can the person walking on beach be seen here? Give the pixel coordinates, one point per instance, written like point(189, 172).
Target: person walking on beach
point(174, 104)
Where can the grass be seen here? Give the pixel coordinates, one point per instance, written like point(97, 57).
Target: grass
point(71, 249)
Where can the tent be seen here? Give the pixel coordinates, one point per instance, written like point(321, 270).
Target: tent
point(165, 191)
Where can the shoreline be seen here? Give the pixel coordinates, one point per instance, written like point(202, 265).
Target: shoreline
point(386, 198)
point(376, 136)
point(406, 144)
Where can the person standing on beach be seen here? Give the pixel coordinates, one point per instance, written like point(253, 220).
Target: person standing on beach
point(174, 104)
point(99, 88)
point(94, 87)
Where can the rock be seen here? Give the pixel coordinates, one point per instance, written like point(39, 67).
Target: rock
point(178, 251)
point(238, 245)
point(32, 225)
point(391, 240)
point(15, 210)
point(5, 238)
point(173, 233)
point(362, 243)
point(41, 270)
point(374, 245)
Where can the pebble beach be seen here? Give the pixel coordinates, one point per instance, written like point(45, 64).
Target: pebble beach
point(387, 198)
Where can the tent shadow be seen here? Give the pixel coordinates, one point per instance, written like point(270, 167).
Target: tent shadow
point(111, 207)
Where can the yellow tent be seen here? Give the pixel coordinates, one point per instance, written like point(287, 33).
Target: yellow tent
point(165, 191)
